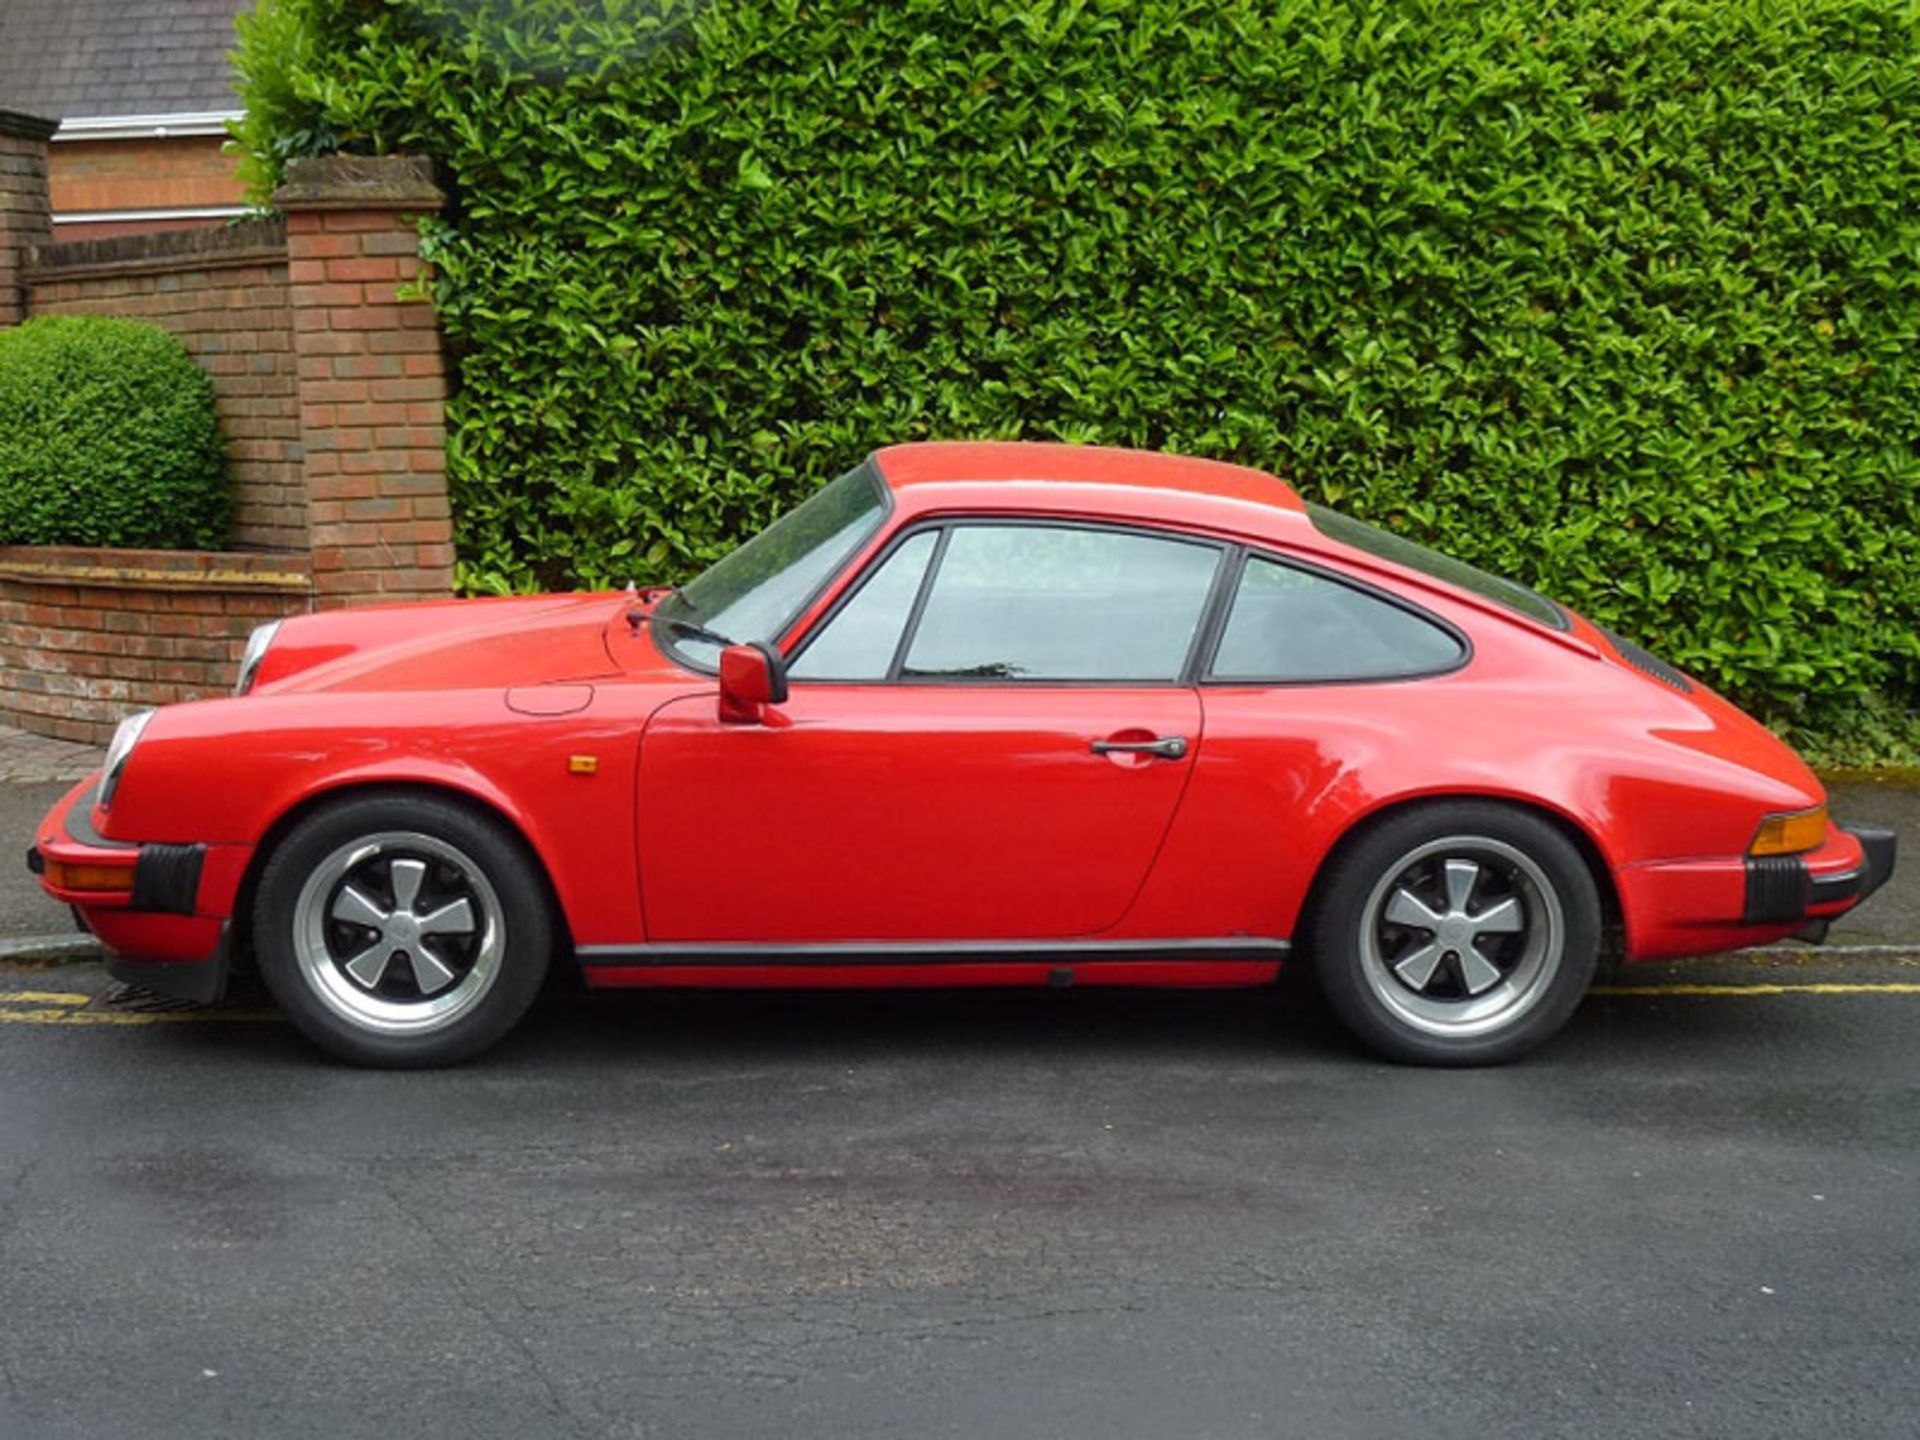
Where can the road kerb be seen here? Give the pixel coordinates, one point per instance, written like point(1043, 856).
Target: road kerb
point(50, 950)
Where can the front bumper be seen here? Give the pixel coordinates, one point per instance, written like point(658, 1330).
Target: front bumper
point(1695, 907)
point(168, 927)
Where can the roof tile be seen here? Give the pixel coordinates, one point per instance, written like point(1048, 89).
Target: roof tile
point(69, 58)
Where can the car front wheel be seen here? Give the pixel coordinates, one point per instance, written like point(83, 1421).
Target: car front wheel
point(1458, 934)
point(402, 931)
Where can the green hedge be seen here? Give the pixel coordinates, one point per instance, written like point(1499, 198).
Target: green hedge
point(1619, 298)
point(107, 437)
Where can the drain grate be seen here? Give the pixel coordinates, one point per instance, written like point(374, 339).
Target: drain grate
point(124, 999)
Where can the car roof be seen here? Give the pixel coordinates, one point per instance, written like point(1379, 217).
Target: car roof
point(968, 462)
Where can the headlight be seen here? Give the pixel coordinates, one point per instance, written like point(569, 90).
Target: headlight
point(258, 644)
point(124, 739)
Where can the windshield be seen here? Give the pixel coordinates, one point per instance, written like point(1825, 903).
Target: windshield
point(760, 589)
point(1388, 546)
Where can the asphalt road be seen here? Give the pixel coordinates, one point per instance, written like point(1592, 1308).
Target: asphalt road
point(922, 1216)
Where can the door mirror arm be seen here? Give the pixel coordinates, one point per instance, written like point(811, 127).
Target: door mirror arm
point(753, 676)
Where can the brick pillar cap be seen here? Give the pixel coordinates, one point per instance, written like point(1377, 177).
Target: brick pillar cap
point(26, 127)
point(360, 182)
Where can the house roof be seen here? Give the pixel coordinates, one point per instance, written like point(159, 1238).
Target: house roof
point(63, 59)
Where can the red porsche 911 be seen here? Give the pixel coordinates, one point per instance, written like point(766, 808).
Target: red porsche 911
point(974, 714)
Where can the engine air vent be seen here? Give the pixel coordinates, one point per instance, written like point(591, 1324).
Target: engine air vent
point(1647, 663)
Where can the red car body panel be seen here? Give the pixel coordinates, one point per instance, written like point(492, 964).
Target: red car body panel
point(924, 815)
point(969, 814)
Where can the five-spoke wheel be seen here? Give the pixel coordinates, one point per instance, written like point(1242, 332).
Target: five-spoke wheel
point(402, 930)
point(399, 931)
point(1460, 933)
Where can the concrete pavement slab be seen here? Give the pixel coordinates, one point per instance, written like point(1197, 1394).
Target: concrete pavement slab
point(36, 759)
point(24, 907)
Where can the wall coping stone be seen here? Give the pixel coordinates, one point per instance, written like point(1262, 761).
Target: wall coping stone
point(111, 569)
point(250, 242)
point(23, 126)
point(360, 182)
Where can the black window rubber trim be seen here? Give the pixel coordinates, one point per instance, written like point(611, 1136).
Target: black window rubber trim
point(672, 652)
point(1250, 553)
point(1183, 678)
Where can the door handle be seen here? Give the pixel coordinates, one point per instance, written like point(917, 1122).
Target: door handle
point(1171, 747)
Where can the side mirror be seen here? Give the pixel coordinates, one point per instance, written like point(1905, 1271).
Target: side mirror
point(752, 677)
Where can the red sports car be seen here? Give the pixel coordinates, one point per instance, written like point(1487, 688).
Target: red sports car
point(974, 714)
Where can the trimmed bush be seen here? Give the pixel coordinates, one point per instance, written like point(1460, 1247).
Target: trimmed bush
point(107, 437)
point(1621, 299)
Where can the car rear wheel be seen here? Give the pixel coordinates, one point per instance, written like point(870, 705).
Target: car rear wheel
point(1458, 934)
point(402, 931)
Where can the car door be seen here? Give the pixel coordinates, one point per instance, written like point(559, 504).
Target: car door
point(985, 739)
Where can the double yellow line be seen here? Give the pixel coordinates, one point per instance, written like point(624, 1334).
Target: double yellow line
point(1768, 987)
point(60, 1007)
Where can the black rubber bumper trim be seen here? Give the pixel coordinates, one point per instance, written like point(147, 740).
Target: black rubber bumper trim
point(1882, 849)
point(1777, 889)
point(80, 822)
point(201, 981)
point(166, 878)
point(1780, 888)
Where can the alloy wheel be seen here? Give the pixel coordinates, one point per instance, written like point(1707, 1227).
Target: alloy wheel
point(1462, 935)
point(398, 932)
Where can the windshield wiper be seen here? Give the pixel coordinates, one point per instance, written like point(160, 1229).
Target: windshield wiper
point(637, 617)
point(697, 631)
point(989, 670)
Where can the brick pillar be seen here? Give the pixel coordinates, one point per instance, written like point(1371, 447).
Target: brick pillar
point(25, 218)
point(372, 381)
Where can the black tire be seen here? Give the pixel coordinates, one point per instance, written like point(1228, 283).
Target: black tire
point(436, 904)
point(1465, 989)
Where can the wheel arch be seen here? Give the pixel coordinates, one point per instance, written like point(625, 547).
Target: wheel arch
point(1612, 911)
point(365, 787)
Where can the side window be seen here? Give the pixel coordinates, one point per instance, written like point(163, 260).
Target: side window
point(859, 641)
point(1289, 624)
point(1046, 602)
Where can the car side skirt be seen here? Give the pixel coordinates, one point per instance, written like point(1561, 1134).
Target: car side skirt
point(1207, 963)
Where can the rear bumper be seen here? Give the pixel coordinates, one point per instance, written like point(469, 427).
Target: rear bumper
point(1786, 887)
point(167, 927)
point(1694, 907)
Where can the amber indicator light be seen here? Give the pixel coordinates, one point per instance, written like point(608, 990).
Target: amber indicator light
point(582, 764)
point(1791, 834)
point(63, 875)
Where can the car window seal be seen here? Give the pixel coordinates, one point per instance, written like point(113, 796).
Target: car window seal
point(896, 666)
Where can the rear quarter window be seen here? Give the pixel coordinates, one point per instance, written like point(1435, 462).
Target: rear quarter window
point(1290, 625)
point(1400, 551)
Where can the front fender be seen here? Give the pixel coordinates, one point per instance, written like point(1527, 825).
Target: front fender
point(235, 772)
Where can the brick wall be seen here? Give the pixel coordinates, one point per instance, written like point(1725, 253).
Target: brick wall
point(24, 214)
point(372, 380)
point(329, 382)
point(224, 293)
point(89, 635)
point(156, 172)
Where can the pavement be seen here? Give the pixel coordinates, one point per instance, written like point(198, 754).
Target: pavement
point(1035, 1214)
